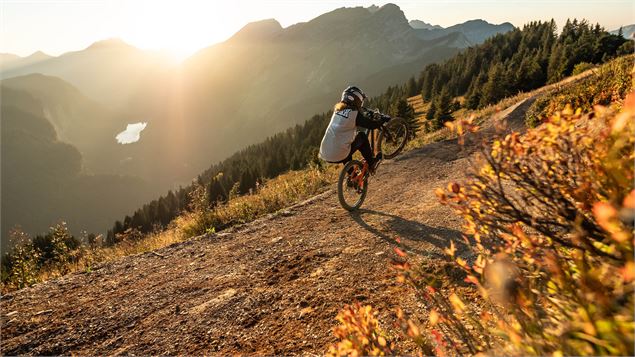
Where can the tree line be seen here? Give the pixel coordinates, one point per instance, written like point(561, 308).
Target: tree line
point(517, 61)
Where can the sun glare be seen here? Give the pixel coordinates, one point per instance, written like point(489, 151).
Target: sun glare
point(177, 29)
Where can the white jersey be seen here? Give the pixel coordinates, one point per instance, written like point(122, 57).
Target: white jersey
point(337, 140)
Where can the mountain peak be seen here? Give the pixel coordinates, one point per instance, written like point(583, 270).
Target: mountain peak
point(476, 21)
point(258, 30)
point(38, 55)
point(391, 13)
point(390, 8)
point(372, 8)
point(109, 43)
point(418, 24)
point(480, 22)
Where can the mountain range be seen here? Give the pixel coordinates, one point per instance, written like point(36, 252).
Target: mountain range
point(474, 31)
point(262, 80)
point(108, 71)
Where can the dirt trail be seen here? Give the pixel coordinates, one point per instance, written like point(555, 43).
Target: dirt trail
point(273, 286)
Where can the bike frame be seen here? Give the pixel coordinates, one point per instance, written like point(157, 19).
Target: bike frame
point(360, 178)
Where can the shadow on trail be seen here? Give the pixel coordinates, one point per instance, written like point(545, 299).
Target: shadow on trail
point(409, 230)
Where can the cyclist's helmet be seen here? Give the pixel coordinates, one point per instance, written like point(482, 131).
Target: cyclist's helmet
point(353, 96)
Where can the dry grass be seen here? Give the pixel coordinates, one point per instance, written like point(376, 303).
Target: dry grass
point(444, 133)
point(275, 194)
point(89, 258)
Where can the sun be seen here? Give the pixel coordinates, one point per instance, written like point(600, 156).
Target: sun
point(178, 28)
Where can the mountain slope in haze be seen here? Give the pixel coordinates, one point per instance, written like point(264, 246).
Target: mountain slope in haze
point(475, 31)
point(10, 61)
point(628, 31)
point(418, 24)
point(108, 71)
point(43, 180)
point(78, 120)
point(7, 59)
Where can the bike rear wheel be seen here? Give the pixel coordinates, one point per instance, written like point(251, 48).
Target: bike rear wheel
point(349, 191)
point(393, 138)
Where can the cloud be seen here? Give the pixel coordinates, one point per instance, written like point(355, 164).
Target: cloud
point(132, 134)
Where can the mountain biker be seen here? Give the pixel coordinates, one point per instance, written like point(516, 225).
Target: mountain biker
point(341, 139)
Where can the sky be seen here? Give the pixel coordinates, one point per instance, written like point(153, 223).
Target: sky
point(182, 27)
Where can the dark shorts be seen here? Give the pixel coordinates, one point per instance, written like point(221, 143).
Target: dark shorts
point(359, 143)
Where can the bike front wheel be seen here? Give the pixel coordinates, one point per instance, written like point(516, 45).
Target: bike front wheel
point(352, 185)
point(393, 138)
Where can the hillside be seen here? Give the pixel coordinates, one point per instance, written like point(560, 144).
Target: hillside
point(45, 180)
point(230, 293)
point(418, 24)
point(78, 120)
point(286, 275)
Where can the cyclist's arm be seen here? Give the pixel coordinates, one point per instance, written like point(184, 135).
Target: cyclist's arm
point(366, 122)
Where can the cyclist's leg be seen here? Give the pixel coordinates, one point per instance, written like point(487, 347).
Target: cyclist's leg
point(362, 144)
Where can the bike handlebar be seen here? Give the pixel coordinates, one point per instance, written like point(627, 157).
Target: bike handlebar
point(377, 115)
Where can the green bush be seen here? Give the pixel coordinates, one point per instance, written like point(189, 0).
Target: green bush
point(610, 84)
point(53, 252)
point(20, 268)
point(582, 67)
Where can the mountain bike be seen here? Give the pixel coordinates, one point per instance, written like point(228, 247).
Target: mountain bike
point(352, 184)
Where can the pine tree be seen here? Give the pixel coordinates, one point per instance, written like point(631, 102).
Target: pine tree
point(404, 110)
point(411, 87)
point(473, 99)
point(428, 82)
point(493, 90)
point(555, 70)
point(432, 111)
point(444, 109)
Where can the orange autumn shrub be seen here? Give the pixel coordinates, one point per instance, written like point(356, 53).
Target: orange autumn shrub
point(548, 223)
point(359, 333)
point(549, 217)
